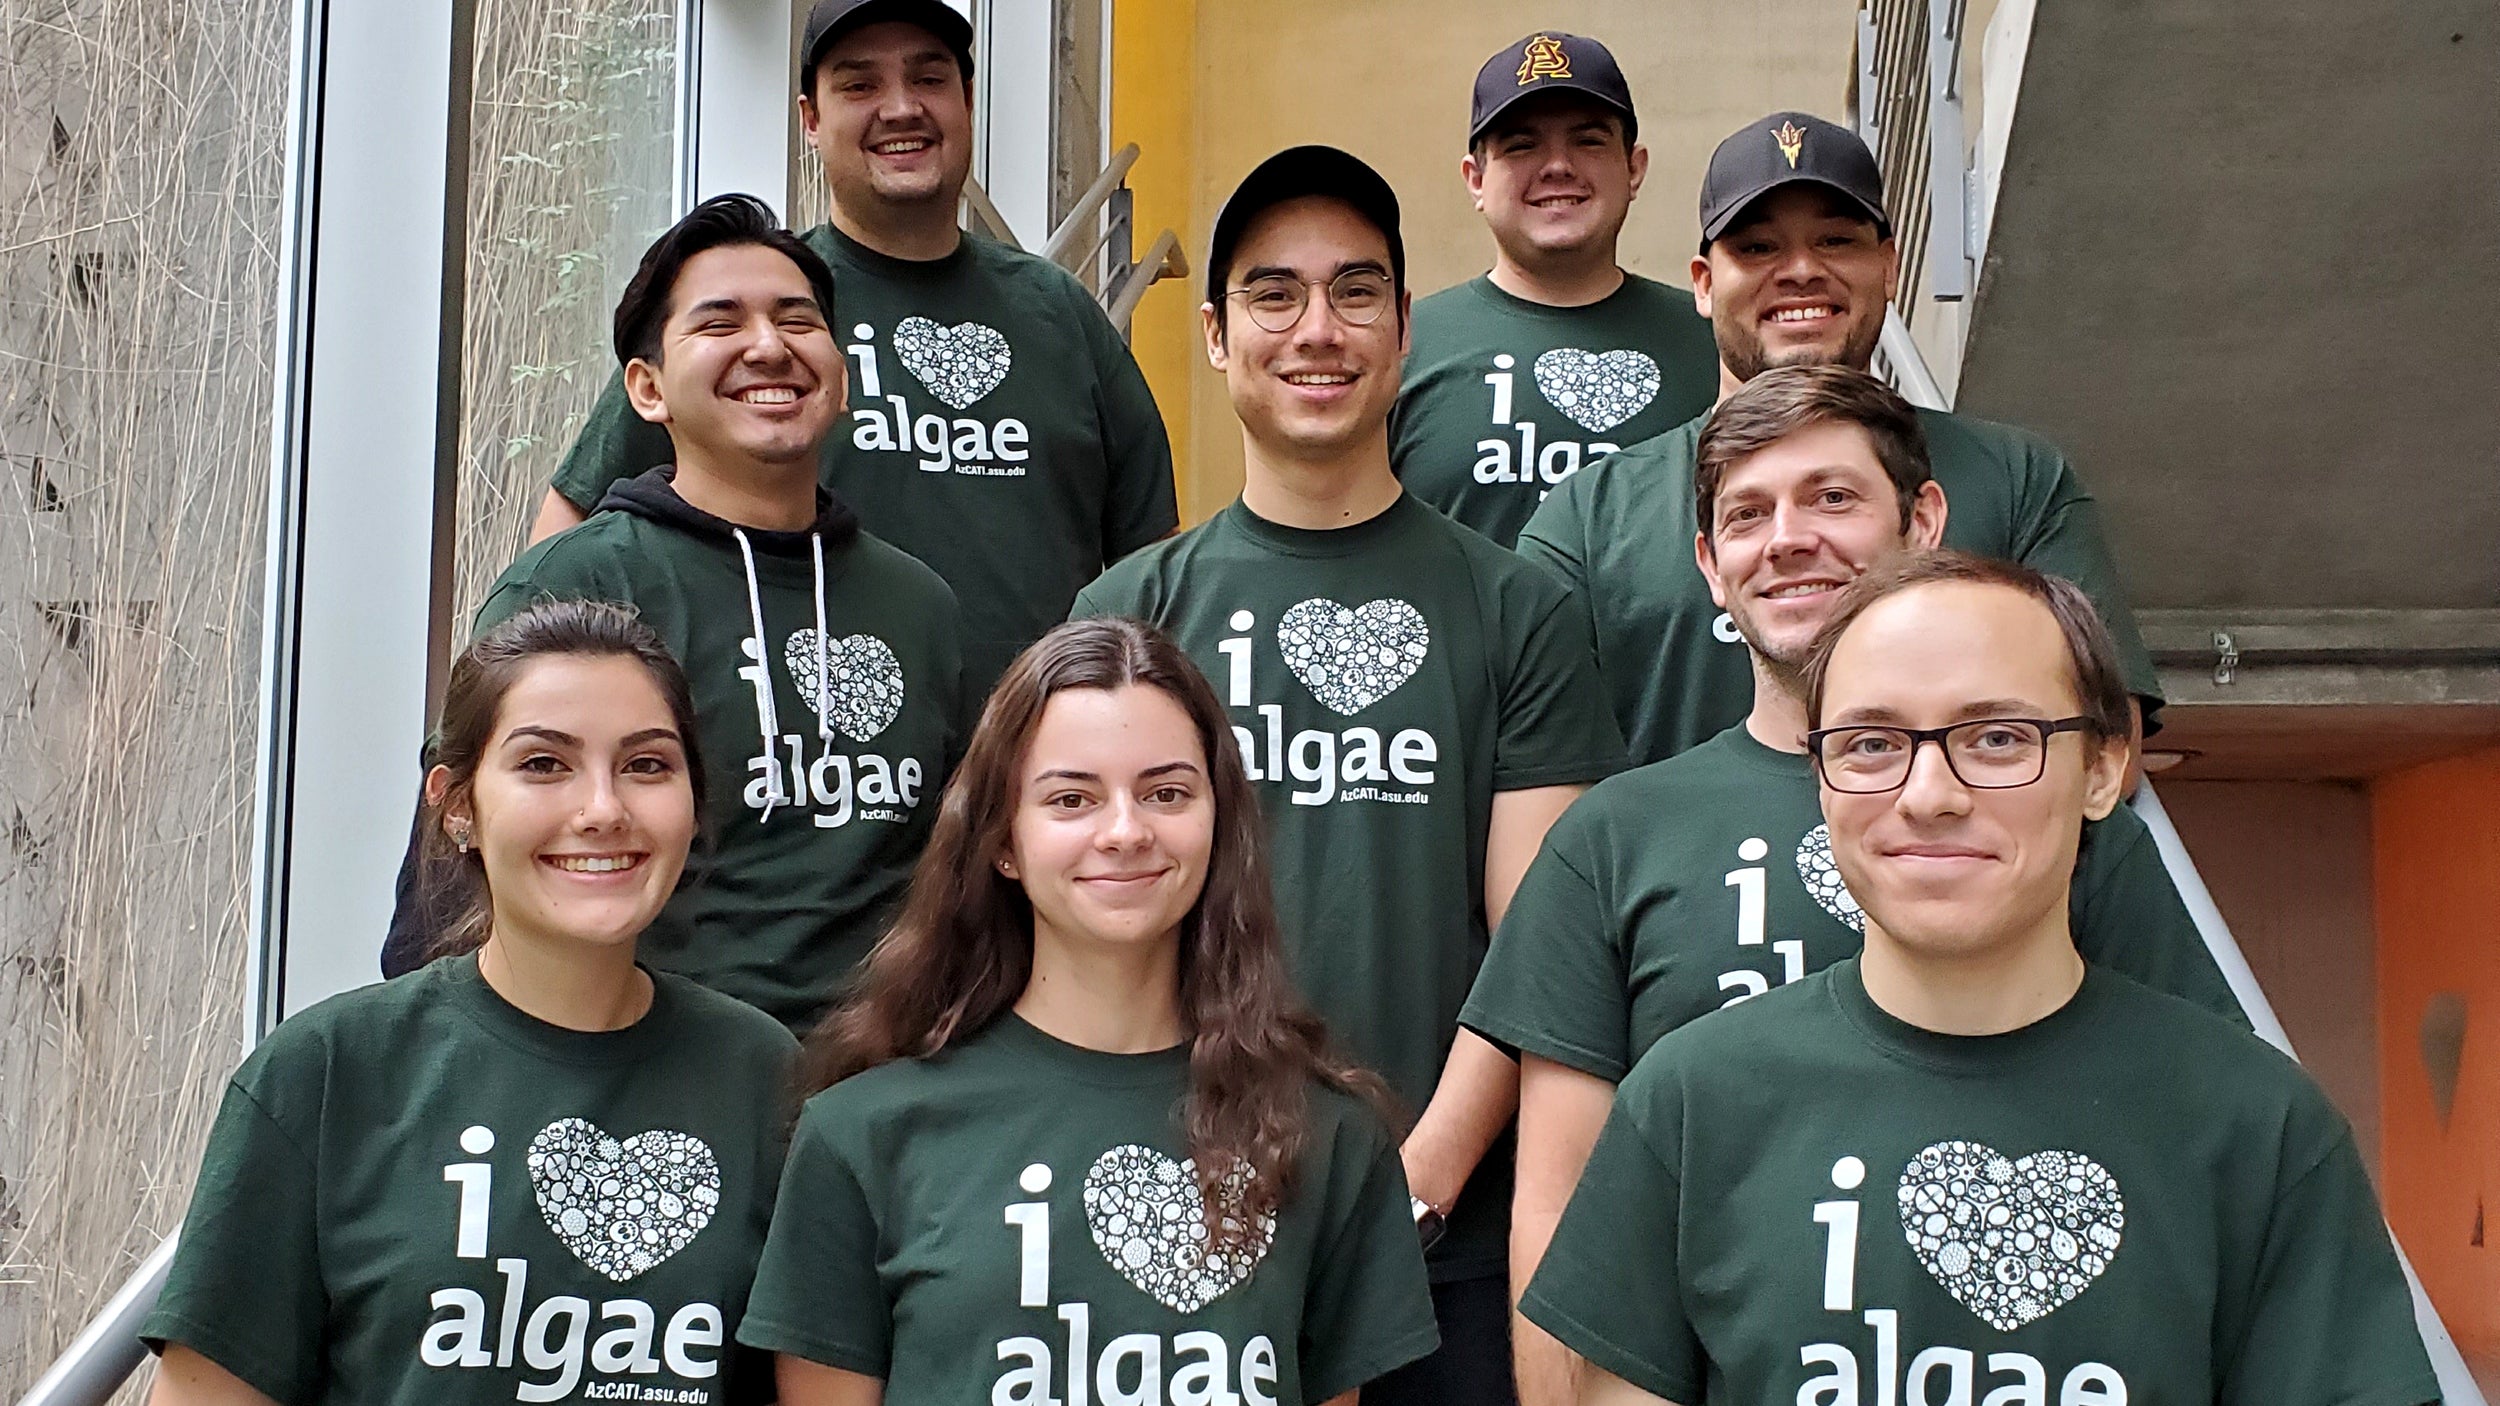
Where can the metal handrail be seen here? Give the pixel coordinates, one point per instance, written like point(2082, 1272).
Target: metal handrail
point(1910, 374)
point(1163, 260)
point(1080, 217)
point(108, 1349)
point(2456, 1384)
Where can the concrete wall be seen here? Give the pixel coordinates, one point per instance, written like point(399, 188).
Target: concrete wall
point(1209, 89)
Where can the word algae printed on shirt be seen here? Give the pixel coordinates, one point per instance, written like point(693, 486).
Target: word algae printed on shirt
point(1595, 390)
point(959, 366)
point(1348, 658)
point(2012, 1239)
point(1149, 1225)
point(623, 1207)
point(854, 685)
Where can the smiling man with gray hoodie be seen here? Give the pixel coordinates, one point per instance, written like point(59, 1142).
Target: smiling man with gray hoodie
point(827, 666)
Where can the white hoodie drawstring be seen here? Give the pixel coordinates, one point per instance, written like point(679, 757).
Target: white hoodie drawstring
point(765, 715)
point(824, 670)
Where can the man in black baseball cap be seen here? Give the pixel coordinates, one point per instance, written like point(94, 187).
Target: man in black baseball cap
point(1558, 354)
point(999, 430)
point(1410, 700)
point(1797, 267)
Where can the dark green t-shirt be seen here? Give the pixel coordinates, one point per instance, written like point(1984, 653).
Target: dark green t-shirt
point(416, 1194)
point(812, 819)
point(1697, 882)
point(1504, 398)
point(999, 431)
point(2131, 1200)
point(1385, 680)
point(1017, 1220)
point(1622, 535)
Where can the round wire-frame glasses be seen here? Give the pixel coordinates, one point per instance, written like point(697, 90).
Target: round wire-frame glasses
point(1277, 301)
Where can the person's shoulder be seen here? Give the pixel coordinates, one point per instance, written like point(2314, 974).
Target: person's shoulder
point(365, 1019)
point(1650, 293)
point(726, 1028)
point(1513, 579)
point(1137, 581)
point(1636, 473)
point(1030, 273)
point(890, 568)
point(1457, 300)
point(2182, 1034)
point(1731, 1050)
point(1952, 436)
point(1638, 796)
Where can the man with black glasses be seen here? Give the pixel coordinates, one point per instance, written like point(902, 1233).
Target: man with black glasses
point(1415, 704)
point(1626, 928)
point(1968, 1164)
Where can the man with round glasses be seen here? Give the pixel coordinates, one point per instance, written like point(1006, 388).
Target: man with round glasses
point(1704, 880)
point(1968, 1164)
point(1414, 704)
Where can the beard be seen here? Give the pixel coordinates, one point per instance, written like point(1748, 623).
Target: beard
point(1741, 349)
point(1783, 666)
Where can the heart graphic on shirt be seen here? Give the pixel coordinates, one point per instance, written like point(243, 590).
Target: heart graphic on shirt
point(1822, 878)
point(1352, 657)
point(1598, 390)
point(2012, 1239)
point(1150, 1225)
point(959, 364)
point(624, 1207)
point(862, 686)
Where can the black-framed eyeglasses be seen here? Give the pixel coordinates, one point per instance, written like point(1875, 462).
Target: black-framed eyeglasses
point(1276, 302)
point(1985, 754)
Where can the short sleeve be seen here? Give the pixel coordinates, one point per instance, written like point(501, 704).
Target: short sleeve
point(245, 1290)
point(2129, 918)
point(1557, 728)
point(1552, 984)
point(817, 1292)
point(2067, 540)
point(614, 443)
point(2330, 1317)
point(1368, 1308)
point(1556, 536)
point(1609, 1287)
point(1140, 504)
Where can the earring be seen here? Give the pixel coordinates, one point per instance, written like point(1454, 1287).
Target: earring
point(1007, 867)
point(459, 835)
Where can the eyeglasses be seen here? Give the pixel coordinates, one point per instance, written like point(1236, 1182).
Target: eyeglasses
point(1276, 302)
point(1985, 754)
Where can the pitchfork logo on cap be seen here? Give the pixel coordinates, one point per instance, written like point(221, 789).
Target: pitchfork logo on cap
point(1792, 140)
point(1545, 59)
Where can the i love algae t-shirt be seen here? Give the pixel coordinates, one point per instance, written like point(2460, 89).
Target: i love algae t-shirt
point(1505, 398)
point(1622, 534)
point(1384, 681)
point(1017, 1220)
point(1805, 1200)
point(824, 752)
point(417, 1195)
point(999, 430)
point(1690, 884)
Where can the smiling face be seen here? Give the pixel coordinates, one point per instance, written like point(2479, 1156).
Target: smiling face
point(748, 370)
point(1794, 522)
point(581, 809)
point(1322, 386)
point(1942, 869)
point(1553, 177)
point(1114, 820)
point(890, 112)
point(1801, 280)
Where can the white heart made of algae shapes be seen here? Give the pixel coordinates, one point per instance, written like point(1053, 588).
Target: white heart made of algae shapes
point(1147, 1220)
point(623, 1206)
point(1598, 390)
point(1821, 874)
point(959, 364)
point(2012, 1239)
point(1351, 657)
point(863, 682)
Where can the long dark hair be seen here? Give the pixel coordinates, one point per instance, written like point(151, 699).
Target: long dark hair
point(456, 895)
point(960, 952)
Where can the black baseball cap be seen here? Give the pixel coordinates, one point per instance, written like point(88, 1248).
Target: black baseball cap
point(1290, 174)
point(831, 19)
point(1782, 148)
point(1545, 62)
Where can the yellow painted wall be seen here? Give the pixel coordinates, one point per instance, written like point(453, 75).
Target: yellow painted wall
point(1389, 81)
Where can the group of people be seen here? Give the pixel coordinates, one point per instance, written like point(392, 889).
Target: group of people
point(1478, 920)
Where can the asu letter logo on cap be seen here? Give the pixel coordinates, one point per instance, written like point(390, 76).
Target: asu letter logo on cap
point(1546, 58)
point(1791, 139)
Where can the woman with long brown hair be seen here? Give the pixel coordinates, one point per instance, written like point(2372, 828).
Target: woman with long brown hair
point(1077, 1140)
point(532, 1169)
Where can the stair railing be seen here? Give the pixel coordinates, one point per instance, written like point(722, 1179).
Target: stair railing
point(1095, 239)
